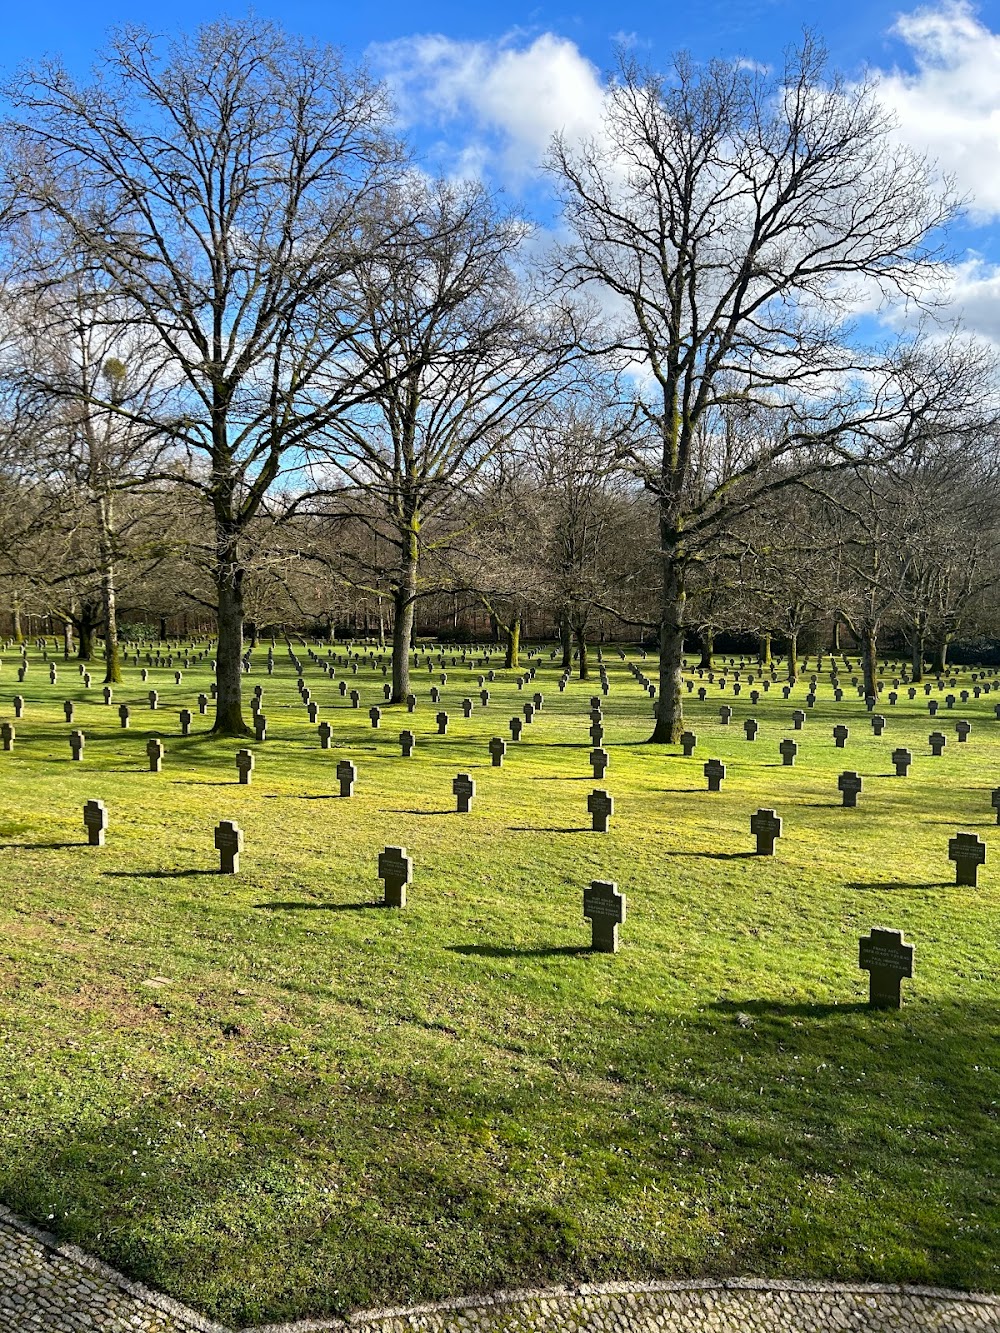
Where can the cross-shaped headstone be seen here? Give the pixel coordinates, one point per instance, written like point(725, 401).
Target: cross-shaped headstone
point(798, 718)
point(95, 821)
point(963, 729)
point(77, 741)
point(788, 750)
point(346, 776)
point(154, 751)
point(154, 699)
point(599, 760)
point(185, 721)
point(466, 707)
point(529, 712)
point(938, 741)
point(715, 771)
point(355, 699)
point(725, 713)
point(8, 734)
point(902, 760)
point(597, 733)
point(464, 790)
point(887, 959)
point(850, 784)
point(605, 908)
point(202, 703)
point(497, 748)
point(411, 702)
point(229, 844)
point(395, 869)
point(878, 724)
point(968, 851)
point(406, 741)
point(244, 766)
point(765, 825)
point(688, 741)
point(601, 807)
point(260, 727)
point(840, 735)
point(750, 728)
point(995, 801)
point(442, 724)
point(325, 732)
point(375, 714)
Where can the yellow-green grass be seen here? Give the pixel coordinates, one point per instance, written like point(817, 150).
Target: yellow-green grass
point(322, 1104)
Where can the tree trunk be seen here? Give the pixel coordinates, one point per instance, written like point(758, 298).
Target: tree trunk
point(15, 612)
point(918, 650)
point(670, 705)
point(835, 636)
point(793, 657)
point(869, 652)
point(566, 639)
point(581, 647)
point(939, 662)
point(112, 658)
point(229, 653)
point(707, 649)
point(67, 639)
point(86, 630)
point(403, 602)
point(766, 660)
point(512, 633)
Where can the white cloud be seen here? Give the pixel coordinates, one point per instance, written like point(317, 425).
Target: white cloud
point(502, 100)
point(949, 104)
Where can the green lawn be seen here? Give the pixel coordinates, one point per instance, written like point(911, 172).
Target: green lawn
point(319, 1104)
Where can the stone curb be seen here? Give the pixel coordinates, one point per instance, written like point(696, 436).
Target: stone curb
point(360, 1318)
point(372, 1319)
point(75, 1255)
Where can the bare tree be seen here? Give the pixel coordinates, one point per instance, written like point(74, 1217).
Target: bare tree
point(221, 187)
point(727, 219)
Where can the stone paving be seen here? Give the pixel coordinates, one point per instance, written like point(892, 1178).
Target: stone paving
point(49, 1287)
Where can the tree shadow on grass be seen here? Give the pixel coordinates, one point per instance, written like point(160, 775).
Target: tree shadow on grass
point(508, 951)
point(421, 812)
point(719, 856)
point(888, 886)
point(524, 828)
point(40, 846)
point(317, 907)
point(782, 1010)
point(157, 874)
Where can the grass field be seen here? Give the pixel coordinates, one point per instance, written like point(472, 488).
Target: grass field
point(271, 1098)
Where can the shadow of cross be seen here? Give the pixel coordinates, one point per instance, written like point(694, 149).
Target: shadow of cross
point(605, 907)
point(968, 851)
point(95, 821)
point(229, 844)
point(601, 807)
point(886, 958)
point(765, 825)
point(395, 869)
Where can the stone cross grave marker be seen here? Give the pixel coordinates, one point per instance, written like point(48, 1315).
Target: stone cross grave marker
point(77, 741)
point(715, 771)
point(963, 730)
point(932, 707)
point(154, 699)
point(442, 724)
point(840, 735)
point(68, 710)
point(466, 707)
point(878, 724)
point(154, 751)
point(185, 721)
point(464, 790)
point(325, 732)
point(95, 821)
point(387, 692)
point(599, 760)
point(8, 734)
point(355, 698)
point(968, 851)
point(995, 801)
point(765, 825)
point(750, 728)
point(902, 760)
point(788, 750)
point(18, 705)
point(376, 715)
point(938, 741)
point(244, 766)
point(725, 713)
point(229, 844)
point(849, 784)
point(529, 712)
point(411, 702)
point(203, 704)
point(688, 742)
point(406, 741)
point(605, 908)
point(484, 697)
point(516, 727)
point(601, 807)
point(887, 959)
point(597, 733)
point(798, 718)
point(497, 748)
point(260, 728)
point(347, 776)
point(395, 869)
point(312, 710)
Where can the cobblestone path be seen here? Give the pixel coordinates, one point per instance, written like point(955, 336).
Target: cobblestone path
point(48, 1287)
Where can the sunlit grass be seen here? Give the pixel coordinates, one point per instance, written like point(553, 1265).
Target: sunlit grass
point(320, 1104)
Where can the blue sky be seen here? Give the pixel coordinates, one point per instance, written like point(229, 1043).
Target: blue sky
point(480, 90)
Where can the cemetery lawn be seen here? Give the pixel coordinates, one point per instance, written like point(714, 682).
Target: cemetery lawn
point(272, 1098)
